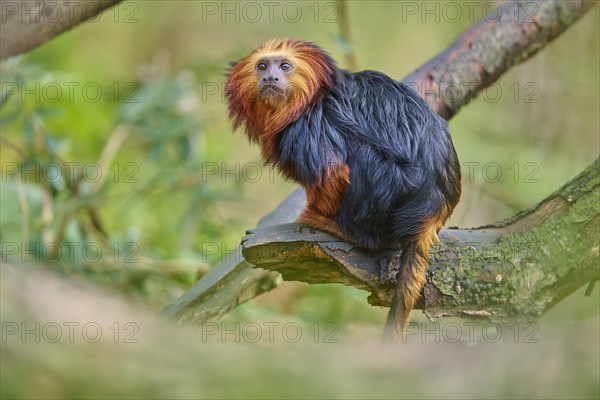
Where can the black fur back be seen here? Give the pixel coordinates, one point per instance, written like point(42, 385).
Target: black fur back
point(403, 167)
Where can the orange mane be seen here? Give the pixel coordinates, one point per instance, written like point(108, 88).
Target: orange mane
point(314, 71)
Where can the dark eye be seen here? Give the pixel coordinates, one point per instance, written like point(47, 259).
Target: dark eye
point(285, 66)
point(262, 66)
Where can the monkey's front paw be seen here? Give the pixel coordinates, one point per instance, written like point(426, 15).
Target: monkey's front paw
point(389, 269)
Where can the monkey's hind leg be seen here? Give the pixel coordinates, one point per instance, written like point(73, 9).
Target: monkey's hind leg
point(410, 281)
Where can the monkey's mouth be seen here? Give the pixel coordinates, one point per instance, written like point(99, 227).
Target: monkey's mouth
point(272, 92)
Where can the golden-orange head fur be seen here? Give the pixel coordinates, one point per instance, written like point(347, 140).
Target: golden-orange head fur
point(313, 72)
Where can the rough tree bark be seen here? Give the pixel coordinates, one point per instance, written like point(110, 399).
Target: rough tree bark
point(515, 268)
point(29, 24)
point(488, 49)
point(481, 55)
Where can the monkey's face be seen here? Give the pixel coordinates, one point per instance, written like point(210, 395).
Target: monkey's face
point(273, 84)
point(274, 75)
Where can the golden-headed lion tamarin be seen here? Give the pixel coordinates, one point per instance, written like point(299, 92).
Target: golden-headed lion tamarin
point(378, 165)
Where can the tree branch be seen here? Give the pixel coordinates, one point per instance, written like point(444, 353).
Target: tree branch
point(482, 54)
point(520, 267)
point(233, 280)
point(29, 24)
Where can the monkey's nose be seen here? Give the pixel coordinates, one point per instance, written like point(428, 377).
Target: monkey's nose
point(271, 79)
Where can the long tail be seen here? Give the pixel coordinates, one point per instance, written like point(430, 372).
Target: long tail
point(411, 279)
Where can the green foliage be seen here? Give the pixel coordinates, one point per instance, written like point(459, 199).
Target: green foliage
point(120, 202)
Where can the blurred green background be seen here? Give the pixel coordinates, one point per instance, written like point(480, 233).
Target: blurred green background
point(177, 189)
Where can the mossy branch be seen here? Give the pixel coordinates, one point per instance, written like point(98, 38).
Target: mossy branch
point(513, 269)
